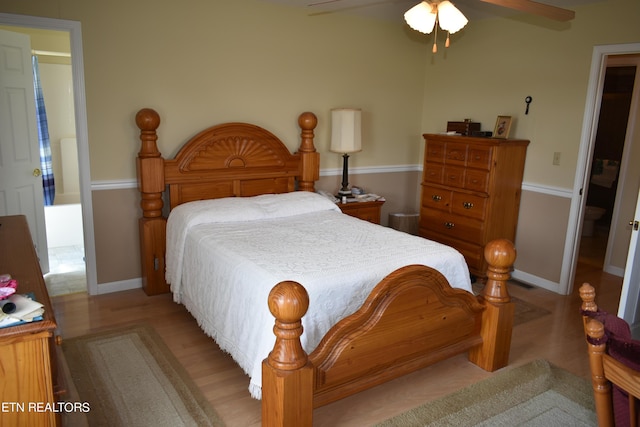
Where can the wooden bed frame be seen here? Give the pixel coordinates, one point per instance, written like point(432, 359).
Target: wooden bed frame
point(412, 319)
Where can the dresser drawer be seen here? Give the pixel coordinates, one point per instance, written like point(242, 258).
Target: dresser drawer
point(479, 157)
point(473, 253)
point(455, 153)
point(476, 180)
point(468, 205)
point(436, 198)
point(454, 226)
point(454, 176)
point(435, 152)
point(434, 172)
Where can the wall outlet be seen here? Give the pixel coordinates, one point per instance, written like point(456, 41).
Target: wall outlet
point(556, 158)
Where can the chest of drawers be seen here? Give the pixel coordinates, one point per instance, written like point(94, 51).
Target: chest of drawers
point(27, 351)
point(471, 193)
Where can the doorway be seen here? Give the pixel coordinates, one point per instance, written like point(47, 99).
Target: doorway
point(81, 132)
point(598, 239)
point(628, 176)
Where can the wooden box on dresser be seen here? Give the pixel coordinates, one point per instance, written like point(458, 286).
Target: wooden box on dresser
point(28, 372)
point(471, 193)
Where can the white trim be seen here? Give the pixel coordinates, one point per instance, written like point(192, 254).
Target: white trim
point(119, 184)
point(82, 132)
point(123, 285)
point(531, 279)
point(545, 189)
point(616, 271)
point(372, 170)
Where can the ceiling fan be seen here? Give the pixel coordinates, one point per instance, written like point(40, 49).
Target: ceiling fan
point(528, 6)
point(431, 14)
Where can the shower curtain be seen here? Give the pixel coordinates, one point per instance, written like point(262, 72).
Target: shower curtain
point(48, 184)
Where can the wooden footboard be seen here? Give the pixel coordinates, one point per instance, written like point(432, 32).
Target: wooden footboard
point(412, 319)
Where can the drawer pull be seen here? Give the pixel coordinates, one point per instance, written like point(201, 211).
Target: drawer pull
point(467, 205)
point(436, 198)
point(449, 225)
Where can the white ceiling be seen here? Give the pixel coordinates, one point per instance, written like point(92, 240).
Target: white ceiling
point(393, 10)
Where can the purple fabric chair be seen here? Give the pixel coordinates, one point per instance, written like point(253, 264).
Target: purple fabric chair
point(608, 334)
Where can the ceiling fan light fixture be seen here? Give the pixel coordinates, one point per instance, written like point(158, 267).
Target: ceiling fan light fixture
point(422, 17)
point(450, 18)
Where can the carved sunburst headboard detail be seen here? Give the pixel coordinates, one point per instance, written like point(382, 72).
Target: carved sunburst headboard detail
point(232, 145)
point(232, 152)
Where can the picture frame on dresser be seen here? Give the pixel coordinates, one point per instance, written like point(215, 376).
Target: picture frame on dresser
point(503, 127)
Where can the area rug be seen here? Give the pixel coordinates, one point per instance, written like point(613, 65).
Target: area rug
point(128, 377)
point(524, 312)
point(536, 394)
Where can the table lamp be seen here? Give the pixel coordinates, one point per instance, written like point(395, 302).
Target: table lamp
point(346, 138)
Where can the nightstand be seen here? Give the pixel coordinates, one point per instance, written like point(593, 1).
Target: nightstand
point(368, 211)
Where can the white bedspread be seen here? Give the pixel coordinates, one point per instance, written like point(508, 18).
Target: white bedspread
point(222, 265)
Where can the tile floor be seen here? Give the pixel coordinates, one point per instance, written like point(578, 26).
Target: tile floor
point(67, 274)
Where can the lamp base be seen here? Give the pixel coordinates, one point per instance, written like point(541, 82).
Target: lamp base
point(345, 192)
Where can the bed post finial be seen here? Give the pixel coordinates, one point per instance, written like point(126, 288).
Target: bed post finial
point(310, 159)
point(287, 374)
point(497, 319)
point(500, 255)
point(148, 121)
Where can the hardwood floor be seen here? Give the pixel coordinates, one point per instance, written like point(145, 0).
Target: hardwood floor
point(557, 337)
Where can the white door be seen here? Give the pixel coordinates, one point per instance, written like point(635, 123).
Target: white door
point(20, 177)
point(629, 307)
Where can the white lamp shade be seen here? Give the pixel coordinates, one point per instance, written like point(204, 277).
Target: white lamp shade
point(346, 130)
point(421, 17)
point(450, 18)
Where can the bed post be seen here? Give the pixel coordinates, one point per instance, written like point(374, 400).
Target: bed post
point(309, 158)
point(497, 318)
point(287, 374)
point(150, 165)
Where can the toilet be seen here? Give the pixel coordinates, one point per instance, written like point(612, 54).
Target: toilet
point(591, 215)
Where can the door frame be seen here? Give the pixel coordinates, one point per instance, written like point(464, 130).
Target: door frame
point(585, 154)
point(82, 133)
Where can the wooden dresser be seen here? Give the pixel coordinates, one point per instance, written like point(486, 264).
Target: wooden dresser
point(471, 193)
point(27, 351)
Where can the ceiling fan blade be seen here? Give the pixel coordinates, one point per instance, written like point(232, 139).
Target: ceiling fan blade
point(533, 7)
point(318, 3)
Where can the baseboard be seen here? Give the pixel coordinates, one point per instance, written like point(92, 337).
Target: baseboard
point(530, 279)
point(123, 285)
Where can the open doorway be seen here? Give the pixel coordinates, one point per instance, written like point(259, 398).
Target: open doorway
point(63, 218)
point(600, 235)
point(77, 110)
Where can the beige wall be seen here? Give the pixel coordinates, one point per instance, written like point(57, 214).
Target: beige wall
point(116, 213)
point(201, 63)
point(541, 233)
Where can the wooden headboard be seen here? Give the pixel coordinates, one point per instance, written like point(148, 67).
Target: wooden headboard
point(226, 160)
